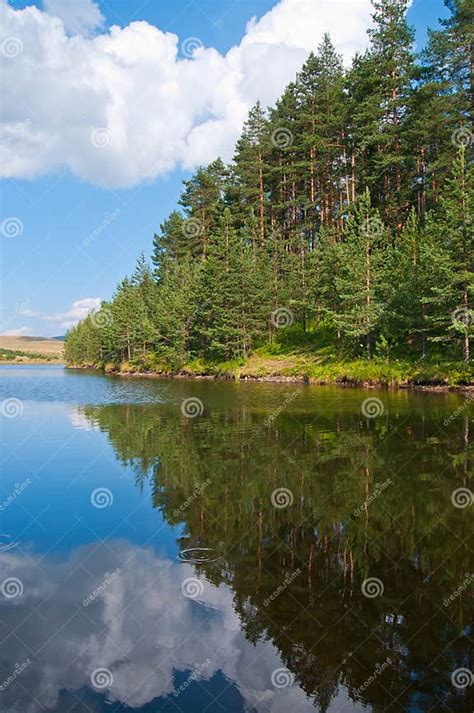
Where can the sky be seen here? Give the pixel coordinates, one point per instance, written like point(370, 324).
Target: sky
point(107, 105)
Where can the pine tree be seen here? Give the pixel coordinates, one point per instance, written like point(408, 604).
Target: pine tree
point(170, 244)
point(283, 179)
point(324, 267)
point(381, 86)
point(127, 315)
point(451, 55)
point(413, 269)
point(359, 280)
point(203, 201)
point(320, 140)
point(249, 176)
point(255, 303)
point(453, 228)
point(146, 294)
point(218, 328)
point(176, 311)
point(443, 101)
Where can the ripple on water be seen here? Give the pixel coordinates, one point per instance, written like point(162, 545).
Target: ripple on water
point(195, 555)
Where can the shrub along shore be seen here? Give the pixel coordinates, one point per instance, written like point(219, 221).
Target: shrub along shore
point(284, 362)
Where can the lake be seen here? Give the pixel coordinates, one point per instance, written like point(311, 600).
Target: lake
point(206, 546)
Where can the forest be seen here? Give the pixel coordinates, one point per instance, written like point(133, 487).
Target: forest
point(340, 231)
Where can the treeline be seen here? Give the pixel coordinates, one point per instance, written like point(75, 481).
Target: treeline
point(347, 207)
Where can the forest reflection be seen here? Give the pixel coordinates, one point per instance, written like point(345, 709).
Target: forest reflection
point(371, 498)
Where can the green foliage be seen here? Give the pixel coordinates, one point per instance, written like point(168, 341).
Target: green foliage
point(346, 211)
point(361, 260)
point(452, 227)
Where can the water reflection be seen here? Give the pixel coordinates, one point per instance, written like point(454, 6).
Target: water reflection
point(197, 555)
point(324, 562)
point(350, 580)
point(7, 542)
point(115, 614)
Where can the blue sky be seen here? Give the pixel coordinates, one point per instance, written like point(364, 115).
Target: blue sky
point(85, 212)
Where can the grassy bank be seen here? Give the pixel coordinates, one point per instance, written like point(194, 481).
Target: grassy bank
point(297, 357)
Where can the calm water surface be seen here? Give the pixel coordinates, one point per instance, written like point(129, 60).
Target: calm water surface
point(209, 547)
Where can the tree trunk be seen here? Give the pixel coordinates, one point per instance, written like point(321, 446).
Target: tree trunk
point(261, 199)
point(367, 287)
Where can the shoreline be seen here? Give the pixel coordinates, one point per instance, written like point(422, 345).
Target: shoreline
point(16, 362)
point(434, 387)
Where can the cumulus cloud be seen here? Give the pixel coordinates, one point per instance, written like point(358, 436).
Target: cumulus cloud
point(79, 17)
point(78, 310)
point(18, 332)
point(125, 105)
point(136, 623)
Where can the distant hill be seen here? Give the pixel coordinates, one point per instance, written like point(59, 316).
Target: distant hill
point(47, 347)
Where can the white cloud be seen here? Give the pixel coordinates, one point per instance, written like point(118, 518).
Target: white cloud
point(121, 107)
point(79, 17)
point(27, 312)
point(18, 332)
point(140, 627)
point(78, 310)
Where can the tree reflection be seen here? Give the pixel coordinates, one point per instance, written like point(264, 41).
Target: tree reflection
point(370, 499)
